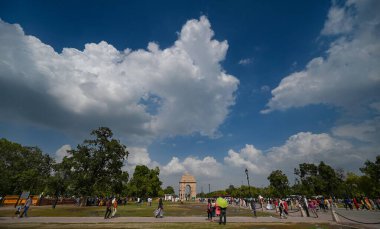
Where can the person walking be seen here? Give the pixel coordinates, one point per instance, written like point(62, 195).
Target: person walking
point(223, 215)
point(27, 204)
point(313, 207)
point(114, 205)
point(286, 208)
point(253, 206)
point(281, 209)
point(108, 209)
point(213, 207)
point(160, 209)
point(356, 203)
point(209, 210)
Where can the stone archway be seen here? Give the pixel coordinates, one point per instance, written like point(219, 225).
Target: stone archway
point(187, 187)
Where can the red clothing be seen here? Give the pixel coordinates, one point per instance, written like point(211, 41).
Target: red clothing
point(285, 205)
point(356, 203)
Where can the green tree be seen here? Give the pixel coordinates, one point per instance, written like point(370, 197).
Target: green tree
point(95, 167)
point(331, 180)
point(317, 180)
point(23, 168)
point(372, 170)
point(169, 190)
point(279, 181)
point(308, 177)
point(145, 182)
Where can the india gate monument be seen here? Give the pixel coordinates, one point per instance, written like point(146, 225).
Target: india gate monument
point(187, 187)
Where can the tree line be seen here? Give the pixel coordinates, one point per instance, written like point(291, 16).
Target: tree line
point(312, 180)
point(95, 168)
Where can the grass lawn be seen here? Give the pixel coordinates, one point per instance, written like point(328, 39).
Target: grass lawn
point(170, 209)
point(174, 225)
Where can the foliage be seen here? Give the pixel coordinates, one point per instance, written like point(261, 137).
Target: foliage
point(145, 182)
point(23, 168)
point(318, 180)
point(169, 190)
point(372, 171)
point(279, 181)
point(95, 167)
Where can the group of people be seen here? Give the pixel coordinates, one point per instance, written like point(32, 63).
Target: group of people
point(214, 210)
point(361, 203)
point(111, 208)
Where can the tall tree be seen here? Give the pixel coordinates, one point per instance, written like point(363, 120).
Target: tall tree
point(279, 181)
point(95, 167)
point(331, 180)
point(145, 182)
point(317, 180)
point(308, 176)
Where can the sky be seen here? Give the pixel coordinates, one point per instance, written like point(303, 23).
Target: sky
point(204, 87)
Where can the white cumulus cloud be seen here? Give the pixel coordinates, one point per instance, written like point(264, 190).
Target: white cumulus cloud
point(138, 156)
point(348, 76)
point(249, 157)
point(178, 90)
point(299, 148)
point(62, 152)
point(207, 167)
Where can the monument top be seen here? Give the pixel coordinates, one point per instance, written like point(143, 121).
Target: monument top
point(187, 178)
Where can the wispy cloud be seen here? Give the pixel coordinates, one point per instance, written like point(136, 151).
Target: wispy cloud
point(246, 61)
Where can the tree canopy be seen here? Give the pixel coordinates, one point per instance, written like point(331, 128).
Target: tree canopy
point(145, 182)
point(279, 181)
point(23, 168)
point(95, 167)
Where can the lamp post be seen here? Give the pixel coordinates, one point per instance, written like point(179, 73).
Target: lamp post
point(249, 187)
point(253, 205)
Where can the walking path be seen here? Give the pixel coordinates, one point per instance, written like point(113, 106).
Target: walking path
point(168, 219)
point(324, 218)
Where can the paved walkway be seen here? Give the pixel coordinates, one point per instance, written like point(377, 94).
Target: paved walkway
point(168, 219)
point(324, 217)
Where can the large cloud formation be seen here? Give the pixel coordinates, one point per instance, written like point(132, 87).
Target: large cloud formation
point(349, 74)
point(303, 147)
point(155, 92)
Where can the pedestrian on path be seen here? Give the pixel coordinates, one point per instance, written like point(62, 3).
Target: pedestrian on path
point(312, 208)
point(356, 203)
point(223, 215)
point(160, 209)
point(253, 206)
point(209, 210)
point(281, 209)
point(108, 208)
point(114, 205)
point(28, 202)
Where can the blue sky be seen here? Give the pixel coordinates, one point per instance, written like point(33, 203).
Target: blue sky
point(205, 87)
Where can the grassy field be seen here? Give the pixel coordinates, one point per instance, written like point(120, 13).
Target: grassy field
point(170, 209)
point(174, 225)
